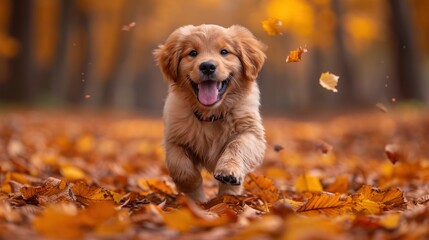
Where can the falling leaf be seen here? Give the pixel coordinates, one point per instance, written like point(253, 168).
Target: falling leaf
point(278, 148)
point(329, 81)
point(129, 26)
point(394, 153)
point(307, 182)
point(272, 26)
point(327, 204)
point(295, 55)
point(262, 187)
point(381, 107)
point(324, 147)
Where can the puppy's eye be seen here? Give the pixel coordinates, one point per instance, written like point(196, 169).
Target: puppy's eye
point(224, 52)
point(193, 53)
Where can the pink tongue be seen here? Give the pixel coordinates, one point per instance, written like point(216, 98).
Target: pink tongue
point(208, 92)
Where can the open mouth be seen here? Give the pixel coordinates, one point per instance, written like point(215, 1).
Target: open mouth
point(210, 92)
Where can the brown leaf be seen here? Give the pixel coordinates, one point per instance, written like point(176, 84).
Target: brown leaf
point(50, 187)
point(278, 148)
point(394, 153)
point(295, 55)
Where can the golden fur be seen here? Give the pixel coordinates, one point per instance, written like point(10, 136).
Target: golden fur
point(234, 144)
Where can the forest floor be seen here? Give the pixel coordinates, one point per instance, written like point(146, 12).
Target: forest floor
point(75, 175)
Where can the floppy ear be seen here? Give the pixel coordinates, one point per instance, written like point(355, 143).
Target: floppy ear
point(167, 56)
point(250, 51)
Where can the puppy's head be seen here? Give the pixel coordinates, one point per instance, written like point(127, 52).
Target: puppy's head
point(211, 64)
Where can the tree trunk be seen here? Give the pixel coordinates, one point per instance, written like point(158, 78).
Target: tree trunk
point(405, 52)
point(21, 86)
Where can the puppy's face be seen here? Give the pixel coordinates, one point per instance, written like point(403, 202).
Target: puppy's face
point(210, 64)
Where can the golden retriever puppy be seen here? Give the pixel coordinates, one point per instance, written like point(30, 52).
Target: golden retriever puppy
point(211, 113)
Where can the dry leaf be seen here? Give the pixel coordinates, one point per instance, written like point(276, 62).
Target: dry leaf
point(272, 26)
point(329, 81)
point(341, 185)
point(381, 107)
point(394, 153)
point(327, 204)
point(89, 193)
point(309, 183)
point(374, 201)
point(295, 55)
point(262, 187)
point(278, 148)
point(128, 27)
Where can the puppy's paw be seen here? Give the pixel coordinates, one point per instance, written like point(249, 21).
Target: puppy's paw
point(227, 177)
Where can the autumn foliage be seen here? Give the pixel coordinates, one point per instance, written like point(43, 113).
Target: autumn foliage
point(85, 176)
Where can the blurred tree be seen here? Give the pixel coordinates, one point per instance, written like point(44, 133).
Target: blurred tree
point(407, 59)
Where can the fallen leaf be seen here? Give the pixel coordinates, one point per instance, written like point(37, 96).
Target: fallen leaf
point(307, 182)
point(341, 185)
point(295, 55)
point(327, 204)
point(89, 193)
point(272, 26)
point(262, 187)
point(180, 219)
point(329, 81)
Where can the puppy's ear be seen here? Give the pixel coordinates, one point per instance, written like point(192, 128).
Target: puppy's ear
point(250, 51)
point(167, 55)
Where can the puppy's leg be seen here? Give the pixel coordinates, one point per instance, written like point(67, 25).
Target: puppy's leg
point(240, 157)
point(184, 173)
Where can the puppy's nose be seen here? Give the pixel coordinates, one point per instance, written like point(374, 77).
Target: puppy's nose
point(207, 68)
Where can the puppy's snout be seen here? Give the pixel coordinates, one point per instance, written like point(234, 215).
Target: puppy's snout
point(207, 68)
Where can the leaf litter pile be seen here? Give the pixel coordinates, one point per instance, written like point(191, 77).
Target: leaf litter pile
point(69, 175)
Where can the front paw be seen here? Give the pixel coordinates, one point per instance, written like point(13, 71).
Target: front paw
point(227, 177)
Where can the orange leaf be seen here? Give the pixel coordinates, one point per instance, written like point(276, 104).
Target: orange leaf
point(181, 219)
point(374, 201)
point(155, 185)
point(272, 26)
point(87, 193)
point(262, 187)
point(341, 185)
point(307, 182)
point(295, 55)
point(328, 204)
point(329, 81)
point(50, 187)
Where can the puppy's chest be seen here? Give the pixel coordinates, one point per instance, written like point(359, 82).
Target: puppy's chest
point(209, 141)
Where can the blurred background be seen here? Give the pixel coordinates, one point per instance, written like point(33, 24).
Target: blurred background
point(98, 53)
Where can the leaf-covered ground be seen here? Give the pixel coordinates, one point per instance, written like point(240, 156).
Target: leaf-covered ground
point(77, 175)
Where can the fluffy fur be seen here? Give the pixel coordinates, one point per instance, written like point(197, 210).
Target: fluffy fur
point(233, 143)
